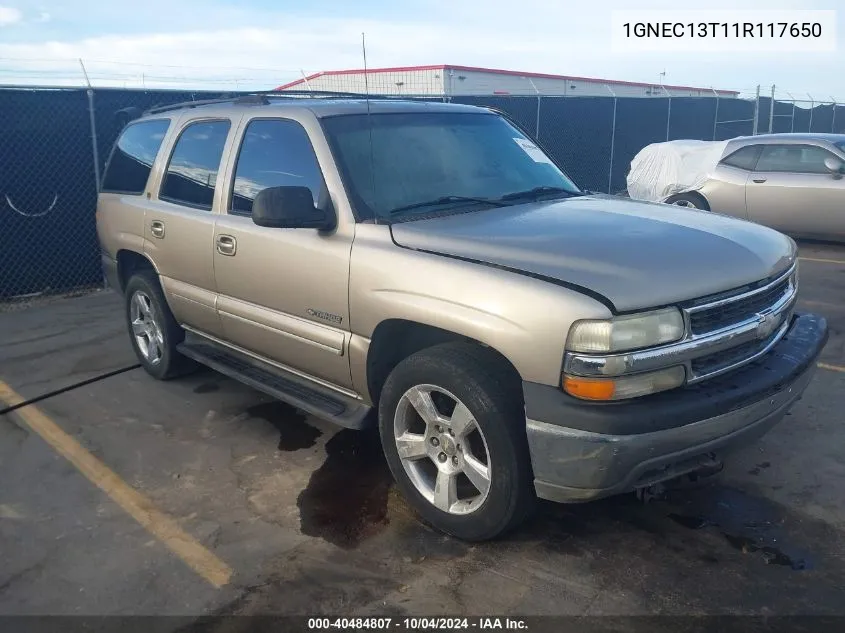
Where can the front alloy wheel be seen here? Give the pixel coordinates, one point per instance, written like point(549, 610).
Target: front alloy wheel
point(442, 448)
point(452, 426)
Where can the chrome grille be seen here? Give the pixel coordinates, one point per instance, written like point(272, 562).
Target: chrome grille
point(725, 315)
point(764, 312)
point(744, 352)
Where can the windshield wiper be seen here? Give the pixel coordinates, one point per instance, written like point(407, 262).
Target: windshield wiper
point(445, 200)
point(537, 192)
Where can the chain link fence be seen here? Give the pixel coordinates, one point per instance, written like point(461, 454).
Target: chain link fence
point(53, 147)
point(54, 144)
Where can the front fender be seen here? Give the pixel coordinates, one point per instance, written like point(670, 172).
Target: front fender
point(525, 319)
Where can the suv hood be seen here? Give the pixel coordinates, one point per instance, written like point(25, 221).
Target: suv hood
point(636, 255)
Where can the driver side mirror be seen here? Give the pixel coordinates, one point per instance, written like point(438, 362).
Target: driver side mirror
point(834, 166)
point(290, 208)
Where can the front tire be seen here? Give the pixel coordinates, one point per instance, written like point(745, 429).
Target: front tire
point(153, 330)
point(452, 426)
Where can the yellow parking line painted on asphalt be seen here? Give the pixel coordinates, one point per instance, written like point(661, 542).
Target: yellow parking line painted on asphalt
point(192, 553)
point(823, 261)
point(832, 367)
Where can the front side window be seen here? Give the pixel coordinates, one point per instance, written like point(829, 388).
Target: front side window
point(133, 156)
point(192, 172)
point(397, 161)
point(802, 159)
point(274, 153)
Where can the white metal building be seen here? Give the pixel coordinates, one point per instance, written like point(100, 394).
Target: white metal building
point(467, 80)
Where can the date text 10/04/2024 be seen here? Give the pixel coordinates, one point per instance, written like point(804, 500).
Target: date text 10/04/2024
point(416, 624)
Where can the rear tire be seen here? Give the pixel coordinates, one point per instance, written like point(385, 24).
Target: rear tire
point(690, 200)
point(153, 330)
point(465, 465)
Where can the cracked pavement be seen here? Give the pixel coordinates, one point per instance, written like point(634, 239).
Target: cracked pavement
point(307, 517)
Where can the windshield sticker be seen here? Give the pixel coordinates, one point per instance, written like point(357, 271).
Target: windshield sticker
point(532, 150)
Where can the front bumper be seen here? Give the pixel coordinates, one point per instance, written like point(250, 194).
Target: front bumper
point(582, 451)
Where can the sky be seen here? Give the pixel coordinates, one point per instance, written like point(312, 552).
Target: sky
point(259, 44)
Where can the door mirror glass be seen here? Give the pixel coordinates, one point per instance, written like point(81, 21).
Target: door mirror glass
point(289, 208)
point(834, 165)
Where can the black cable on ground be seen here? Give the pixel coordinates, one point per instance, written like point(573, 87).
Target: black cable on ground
point(76, 385)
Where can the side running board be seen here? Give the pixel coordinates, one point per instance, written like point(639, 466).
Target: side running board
point(286, 386)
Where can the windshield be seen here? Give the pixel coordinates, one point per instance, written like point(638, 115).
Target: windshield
point(418, 158)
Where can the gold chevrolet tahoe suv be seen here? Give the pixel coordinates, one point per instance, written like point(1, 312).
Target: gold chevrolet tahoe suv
point(513, 336)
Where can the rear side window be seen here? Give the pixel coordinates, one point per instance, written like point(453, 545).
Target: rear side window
point(133, 156)
point(192, 172)
point(744, 158)
point(274, 153)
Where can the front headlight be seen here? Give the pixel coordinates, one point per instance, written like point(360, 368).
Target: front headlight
point(628, 332)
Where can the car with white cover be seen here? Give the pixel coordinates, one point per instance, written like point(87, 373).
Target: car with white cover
point(791, 182)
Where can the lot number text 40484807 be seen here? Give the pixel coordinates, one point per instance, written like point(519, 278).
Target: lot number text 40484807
point(417, 624)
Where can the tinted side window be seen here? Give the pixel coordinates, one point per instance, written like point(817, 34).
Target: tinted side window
point(274, 153)
point(192, 172)
point(743, 158)
point(804, 159)
point(133, 156)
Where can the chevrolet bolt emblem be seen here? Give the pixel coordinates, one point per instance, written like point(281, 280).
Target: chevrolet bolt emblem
point(767, 324)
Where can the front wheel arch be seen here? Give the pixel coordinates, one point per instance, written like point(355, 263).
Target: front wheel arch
point(394, 340)
point(693, 198)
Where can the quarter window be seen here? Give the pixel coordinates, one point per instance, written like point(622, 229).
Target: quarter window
point(133, 156)
point(743, 158)
point(274, 153)
point(803, 159)
point(192, 172)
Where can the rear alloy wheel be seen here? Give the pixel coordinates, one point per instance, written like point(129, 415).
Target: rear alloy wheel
point(452, 426)
point(153, 330)
point(148, 337)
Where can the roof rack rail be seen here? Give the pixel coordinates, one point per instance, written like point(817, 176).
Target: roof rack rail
point(263, 98)
point(248, 98)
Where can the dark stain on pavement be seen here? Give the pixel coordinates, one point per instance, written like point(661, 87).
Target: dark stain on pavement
point(294, 432)
point(771, 555)
point(207, 387)
point(345, 501)
point(756, 470)
point(691, 522)
point(751, 525)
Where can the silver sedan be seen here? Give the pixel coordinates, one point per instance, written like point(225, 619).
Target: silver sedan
point(791, 182)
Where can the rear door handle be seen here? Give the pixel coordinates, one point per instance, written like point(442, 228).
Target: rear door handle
point(157, 228)
point(759, 180)
point(226, 245)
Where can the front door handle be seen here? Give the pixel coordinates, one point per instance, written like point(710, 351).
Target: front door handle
point(157, 228)
point(226, 245)
point(759, 180)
